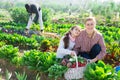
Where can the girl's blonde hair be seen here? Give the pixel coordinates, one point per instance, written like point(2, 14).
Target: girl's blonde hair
point(90, 19)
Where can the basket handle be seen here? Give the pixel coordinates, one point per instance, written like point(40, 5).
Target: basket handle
point(76, 59)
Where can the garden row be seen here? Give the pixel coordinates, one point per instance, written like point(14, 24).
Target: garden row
point(34, 62)
point(38, 62)
point(111, 36)
point(35, 42)
point(34, 59)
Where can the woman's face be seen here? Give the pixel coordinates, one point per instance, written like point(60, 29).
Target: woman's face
point(76, 31)
point(90, 25)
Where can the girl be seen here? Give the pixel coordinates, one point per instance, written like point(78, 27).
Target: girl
point(67, 43)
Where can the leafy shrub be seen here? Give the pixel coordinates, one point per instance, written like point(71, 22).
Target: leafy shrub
point(21, 76)
point(99, 71)
point(18, 40)
point(38, 38)
point(46, 14)
point(2, 43)
point(45, 44)
point(19, 15)
point(35, 27)
point(17, 61)
point(39, 61)
point(56, 71)
point(8, 52)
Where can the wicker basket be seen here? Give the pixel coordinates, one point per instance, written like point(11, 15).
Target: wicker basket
point(74, 73)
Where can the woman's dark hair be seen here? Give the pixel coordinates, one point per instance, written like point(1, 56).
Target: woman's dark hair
point(66, 38)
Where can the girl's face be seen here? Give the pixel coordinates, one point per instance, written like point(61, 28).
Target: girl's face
point(76, 31)
point(90, 25)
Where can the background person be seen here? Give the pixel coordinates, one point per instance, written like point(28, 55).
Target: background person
point(35, 13)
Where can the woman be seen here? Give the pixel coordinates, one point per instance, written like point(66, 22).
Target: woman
point(67, 42)
point(90, 43)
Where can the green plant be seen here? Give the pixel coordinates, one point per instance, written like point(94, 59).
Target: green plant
point(99, 71)
point(21, 76)
point(8, 52)
point(46, 14)
point(38, 38)
point(39, 61)
point(0, 77)
point(37, 77)
point(35, 27)
point(17, 61)
point(8, 75)
point(2, 43)
point(49, 59)
point(118, 75)
point(54, 41)
point(31, 59)
point(18, 40)
point(45, 44)
point(56, 71)
point(19, 15)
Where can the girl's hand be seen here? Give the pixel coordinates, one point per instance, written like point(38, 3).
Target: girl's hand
point(63, 62)
point(72, 53)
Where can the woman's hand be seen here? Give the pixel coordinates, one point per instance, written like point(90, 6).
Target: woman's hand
point(93, 60)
